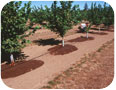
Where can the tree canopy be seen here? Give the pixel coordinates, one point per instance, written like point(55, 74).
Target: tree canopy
point(58, 18)
point(14, 28)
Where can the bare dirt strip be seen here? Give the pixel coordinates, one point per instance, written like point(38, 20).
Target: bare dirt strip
point(94, 71)
point(48, 60)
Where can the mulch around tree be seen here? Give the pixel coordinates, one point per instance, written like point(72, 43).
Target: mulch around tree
point(110, 30)
point(20, 68)
point(60, 50)
point(81, 39)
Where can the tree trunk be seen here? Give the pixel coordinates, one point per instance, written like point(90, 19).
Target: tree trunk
point(107, 27)
point(12, 59)
point(87, 34)
point(62, 41)
point(99, 29)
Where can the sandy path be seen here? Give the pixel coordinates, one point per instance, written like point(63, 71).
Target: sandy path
point(54, 64)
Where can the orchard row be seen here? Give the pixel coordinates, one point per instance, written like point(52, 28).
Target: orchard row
point(57, 18)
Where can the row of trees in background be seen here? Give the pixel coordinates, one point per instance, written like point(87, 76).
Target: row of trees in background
point(99, 14)
point(61, 18)
point(58, 18)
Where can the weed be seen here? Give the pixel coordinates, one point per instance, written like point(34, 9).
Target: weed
point(71, 68)
point(58, 82)
point(47, 87)
point(60, 75)
point(99, 50)
point(51, 83)
point(67, 72)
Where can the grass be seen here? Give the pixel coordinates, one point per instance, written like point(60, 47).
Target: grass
point(67, 72)
point(46, 87)
point(57, 76)
point(71, 68)
point(104, 45)
point(99, 50)
point(52, 83)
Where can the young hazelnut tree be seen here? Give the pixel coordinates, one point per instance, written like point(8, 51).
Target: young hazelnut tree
point(59, 18)
point(87, 29)
point(14, 29)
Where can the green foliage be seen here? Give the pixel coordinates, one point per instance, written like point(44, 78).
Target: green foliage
point(86, 7)
point(100, 15)
point(14, 28)
point(88, 28)
point(59, 17)
point(84, 12)
point(38, 15)
point(108, 14)
point(76, 14)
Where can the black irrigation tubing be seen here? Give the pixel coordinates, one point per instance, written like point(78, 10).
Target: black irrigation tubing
point(40, 55)
point(37, 56)
point(27, 60)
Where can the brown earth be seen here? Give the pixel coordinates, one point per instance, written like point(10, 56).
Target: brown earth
point(110, 30)
point(81, 39)
point(94, 71)
point(60, 50)
point(47, 34)
point(43, 63)
point(20, 68)
point(99, 33)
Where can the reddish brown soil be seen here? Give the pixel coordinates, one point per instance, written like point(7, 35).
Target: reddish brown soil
point(59, 50)
point(81, 39)
point(110, 30)
point(20, 68)
point(94, 71)
point(57, 64)
point(99, 33)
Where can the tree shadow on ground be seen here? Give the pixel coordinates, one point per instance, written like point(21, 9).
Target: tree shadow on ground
point(98, 33)
point(20, 56)
point(98, 29)
point(21, 67)
point(50, 41)
point(81, 39)
point(60, 50)
point(5, 57)
point(110, 30)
